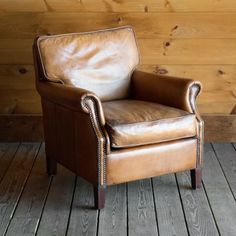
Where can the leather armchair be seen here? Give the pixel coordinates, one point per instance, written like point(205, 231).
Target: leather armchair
point(107, 121)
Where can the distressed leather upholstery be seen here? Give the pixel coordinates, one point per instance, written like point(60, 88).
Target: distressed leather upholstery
point(93, 61)
point(128, 164)
point(107, 121)
point(133, 123)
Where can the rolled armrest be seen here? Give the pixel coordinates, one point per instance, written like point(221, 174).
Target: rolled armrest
point(77, 99)
point(171, 91)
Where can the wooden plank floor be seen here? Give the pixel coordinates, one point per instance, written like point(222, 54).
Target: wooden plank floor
point(32, 203)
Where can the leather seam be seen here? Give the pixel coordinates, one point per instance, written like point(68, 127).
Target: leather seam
point(164, 140)
point(152, 121)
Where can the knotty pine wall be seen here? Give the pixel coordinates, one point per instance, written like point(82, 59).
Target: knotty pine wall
point(188, 38)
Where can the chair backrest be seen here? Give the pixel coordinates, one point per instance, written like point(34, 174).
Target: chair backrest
point(99, 61)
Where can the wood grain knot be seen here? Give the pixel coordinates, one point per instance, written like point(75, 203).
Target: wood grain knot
point(174, 28)
point(167, 44)
point(119, 20)
point(23, 71)
point(221, 72)
point(161, 71)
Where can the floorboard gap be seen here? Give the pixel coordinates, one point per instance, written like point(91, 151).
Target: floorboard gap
point(22, 189)
point(44, 203)
point(181, 202)
point(154, 201)
point(98, 221)
point(127, 210)
point(10, 162)
point(222, 169)
point(71, 205)
point(213, 216)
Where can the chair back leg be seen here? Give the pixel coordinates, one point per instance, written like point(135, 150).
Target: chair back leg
point(51, 166)
point(196, 177)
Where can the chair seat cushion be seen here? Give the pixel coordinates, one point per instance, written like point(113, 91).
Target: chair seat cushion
point(133, 123)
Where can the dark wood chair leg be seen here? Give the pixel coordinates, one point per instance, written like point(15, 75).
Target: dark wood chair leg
point(196, 178)
point(99, 197)
point(51, 166)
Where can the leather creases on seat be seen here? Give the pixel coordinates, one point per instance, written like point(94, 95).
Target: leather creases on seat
point(133, 123)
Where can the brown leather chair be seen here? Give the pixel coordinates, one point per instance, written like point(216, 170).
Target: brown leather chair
point(107, 121)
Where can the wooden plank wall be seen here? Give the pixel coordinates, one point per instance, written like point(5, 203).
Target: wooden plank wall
point(185, 38)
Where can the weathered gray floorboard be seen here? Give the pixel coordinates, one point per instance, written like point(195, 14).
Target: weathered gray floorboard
point(221, 199)
point(83, 219)
point(113, 218)
point(199, 218)
point(170, 215)
point(226, 154)
point(57, 208)
point(7, 153)
point(30, 206)
point(141, 212)
point(13, 182)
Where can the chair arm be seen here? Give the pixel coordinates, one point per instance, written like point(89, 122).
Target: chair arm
point(87, 103)
point(171, 91)
point(92, 140)
point(76, 99)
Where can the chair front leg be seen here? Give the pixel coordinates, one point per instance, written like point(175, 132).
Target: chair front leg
point(51, 166)
point(99, 197)
point(196, 177)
